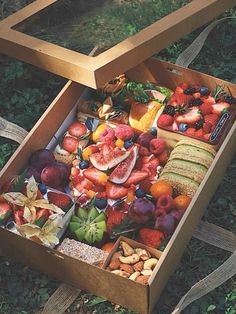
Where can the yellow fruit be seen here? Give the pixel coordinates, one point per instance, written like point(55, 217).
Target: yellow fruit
point(96, 134)
point(181, 202)
point(119, 143)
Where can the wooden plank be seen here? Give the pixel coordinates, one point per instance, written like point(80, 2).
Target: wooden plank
point(95, 71)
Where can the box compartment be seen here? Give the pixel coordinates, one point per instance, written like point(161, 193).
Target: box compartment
point(91, 278)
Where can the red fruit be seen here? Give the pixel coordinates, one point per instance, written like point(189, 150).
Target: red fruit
point(115, 191)
point(165, 203)
point(165, 120)
point(107, 136)
point(208, 100)
point(220, 107)
point(121, 173)
point(163, 157)
point(207, 127)
point(18, 217)
point(114, 218)
point(64, 169)
point(59, 199)
point(144, 139)
point(189, 117)
point(141, 210)
point(35, 172)
point(199, 133)
point(70, 144)
point(157, 146)
point(145, 185)
point(5, 211)
point(41, 217)
point(175, 126)
point(183, 86)
point(179, 90)
point(52, 176)
point(124, 132)
point(207, 136)
point(196, 95)
point(96, 176)
point(77, 129)
point(180, 99)
point(190, 131)
point(41, 158)
point(206, 108)
point(108, 157)
point(212, 119)
point(166, 223)
point(135, 177)
point(143, 151)
point(150, 165)
point(149, 237)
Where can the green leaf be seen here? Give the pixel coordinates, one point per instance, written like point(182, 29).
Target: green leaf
point(211, 307)
point(96, 300)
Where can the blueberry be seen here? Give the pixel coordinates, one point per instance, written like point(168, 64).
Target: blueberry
point(128, 143)
point(183, 127)
point(100, 203)
point(140, 193)
point(84, 164)
point(153, 131)
point(204, 91)
point(42, 188)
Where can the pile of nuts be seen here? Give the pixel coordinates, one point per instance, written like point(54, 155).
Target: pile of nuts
point(133, 263)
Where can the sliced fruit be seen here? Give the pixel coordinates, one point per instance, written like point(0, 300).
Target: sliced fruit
point(121, 173)
point(115, 191)
point(135, 177)
point(77, 129)
point(89, 150)
point(219, 108)
point(180, 99)
point(5, 211)
point(61, 200)
point(70, 144)
point(96, 134)
point(96, 176)
point(190, 117)
point(108, 157)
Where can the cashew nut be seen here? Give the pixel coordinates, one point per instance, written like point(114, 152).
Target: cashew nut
point(128, 250)
point(134, 275)
point(150, 263)
point(143, 254)
point(132, 259)
point(146, 272)
point(121, 273)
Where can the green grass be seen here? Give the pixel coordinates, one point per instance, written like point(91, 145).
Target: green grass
point(25, 94)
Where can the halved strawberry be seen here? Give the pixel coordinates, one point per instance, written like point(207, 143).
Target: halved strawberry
point(70, 144)
point(150, 164)
point(208, 100)
point(180, 99)
point(115, 191)
point(41, 217)
point(135, 177)
point(96, 176)
point(190, 117)
point(5, 211)
point(77, 129)
point(220, 107)
point(212, 119)
point(18, 217)
point(59, 199)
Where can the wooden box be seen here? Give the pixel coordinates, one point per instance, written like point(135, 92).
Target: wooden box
point(141, 298)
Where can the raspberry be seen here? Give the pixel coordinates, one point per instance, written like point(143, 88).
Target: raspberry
point(152, 238)
point(165, 120)
point(206, 108)
point(124, 132)
point(157, 146)
point(163, 157)
point(199, 133)
point(190, 131)
point(212, 119)
point(144, 139)
point(165, 203)
point(107, 136)
point(207, 127)
point(143, 151)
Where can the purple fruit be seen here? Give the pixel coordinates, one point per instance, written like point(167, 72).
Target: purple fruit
point(145, 138)
point(35, 172)
point(41, 158)
point(166, 223)
point(141, 210)
point(64, 169)
point(177, 214)
point(51, 176)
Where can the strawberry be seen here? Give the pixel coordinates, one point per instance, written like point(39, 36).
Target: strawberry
point(96, 176)
point(114, 218)
point(206, 108)
point(70, 144)
point(18, 217)
point(135, 177)
point(150, 165)
point(74, 172)
point(212, 119)
point(190, 131)
point(180, 99)
point(220, 107)
point(165, 120)
point(77, 129)
point(150, 237)
point(41, 217)
point(189, 117)
point(207, 136)
point(5, 211)
point(207, 127)
point(115, 191)
point(199, 133)
point(59, 199)
point(163, 157)
point(175, 126)
point(208, 100)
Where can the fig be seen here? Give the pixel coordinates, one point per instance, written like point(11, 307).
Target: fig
point(41, 158)
point(52, 176)
point(166, 223)
point(64, 169)
point(121, 173)
point(141, 210)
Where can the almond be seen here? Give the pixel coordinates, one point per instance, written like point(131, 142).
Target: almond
point(138, 266)
point(127, 268)
point(115, 264)
point(142, 279)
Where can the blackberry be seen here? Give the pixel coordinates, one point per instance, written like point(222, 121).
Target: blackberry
point(170, 110)
point(190, 91)
point(196, 102)
point(230, 99)
point(199, 124)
